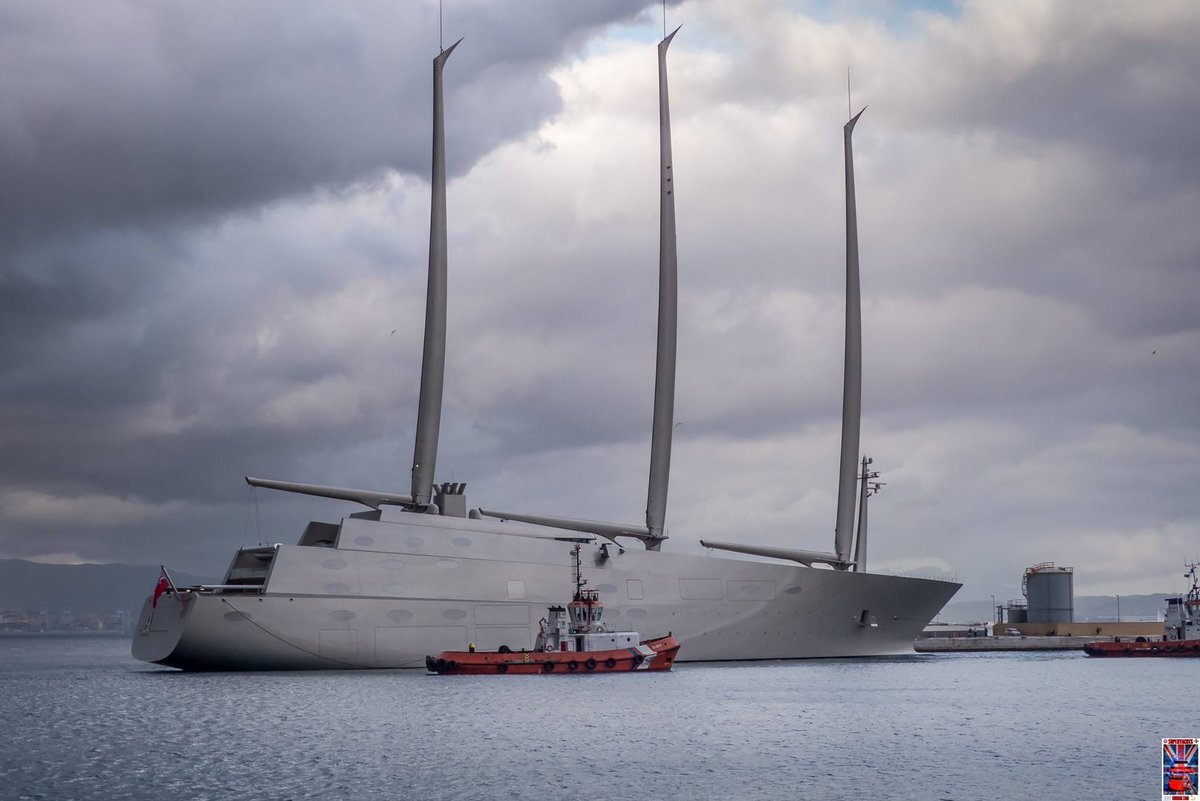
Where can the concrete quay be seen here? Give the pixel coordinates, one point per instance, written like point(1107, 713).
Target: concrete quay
point(936, 645)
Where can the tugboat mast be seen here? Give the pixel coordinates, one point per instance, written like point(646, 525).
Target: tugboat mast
point(580, 581)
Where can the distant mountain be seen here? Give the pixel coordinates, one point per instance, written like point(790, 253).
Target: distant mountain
point(1087, 607)
point(82, 589)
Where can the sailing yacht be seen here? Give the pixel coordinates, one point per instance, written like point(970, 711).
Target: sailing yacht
point(416, 574)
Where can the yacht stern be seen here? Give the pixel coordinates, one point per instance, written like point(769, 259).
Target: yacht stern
point(161, 626)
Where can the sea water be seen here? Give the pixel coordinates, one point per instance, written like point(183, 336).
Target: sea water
point(80, 719)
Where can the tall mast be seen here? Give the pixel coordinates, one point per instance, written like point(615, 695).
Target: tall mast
point(851, 415)
point(668, 314)
point(433, 358)
point(852, 374)
point(654, 532)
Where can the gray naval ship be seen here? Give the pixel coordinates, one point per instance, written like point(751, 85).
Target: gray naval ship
point(421, 573)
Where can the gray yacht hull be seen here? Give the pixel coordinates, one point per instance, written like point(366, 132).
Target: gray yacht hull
point(392, 591)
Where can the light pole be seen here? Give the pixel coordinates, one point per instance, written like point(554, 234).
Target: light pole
point(1118, 608)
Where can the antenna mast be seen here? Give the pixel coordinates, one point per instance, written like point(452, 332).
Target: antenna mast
point(849, 107)
point(868, 488)
point(580, 581)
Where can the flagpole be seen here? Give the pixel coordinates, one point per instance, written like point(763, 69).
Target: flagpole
point(171, 583)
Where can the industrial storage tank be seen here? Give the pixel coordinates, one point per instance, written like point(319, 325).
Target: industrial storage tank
point(1050, 592)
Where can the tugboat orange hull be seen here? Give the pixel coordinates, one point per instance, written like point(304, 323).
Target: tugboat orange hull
point(1183, 648)
point(650, 655)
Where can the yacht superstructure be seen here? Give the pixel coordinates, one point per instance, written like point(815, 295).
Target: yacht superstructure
point(418, 574)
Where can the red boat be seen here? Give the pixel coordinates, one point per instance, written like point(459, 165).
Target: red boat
point(1181, 630)
point(658, 654)
point(571, 639)
point(1146, 648)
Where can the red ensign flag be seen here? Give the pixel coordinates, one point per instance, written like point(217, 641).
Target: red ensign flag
point(163, 585)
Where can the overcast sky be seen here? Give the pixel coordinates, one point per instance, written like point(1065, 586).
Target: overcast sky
point(213, 242)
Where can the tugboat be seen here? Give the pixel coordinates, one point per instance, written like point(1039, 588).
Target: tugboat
point(1181, 629)
point(571, 639)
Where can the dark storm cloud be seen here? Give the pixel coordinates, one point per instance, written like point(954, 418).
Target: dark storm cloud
point(123, 125)
point(120, 112)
